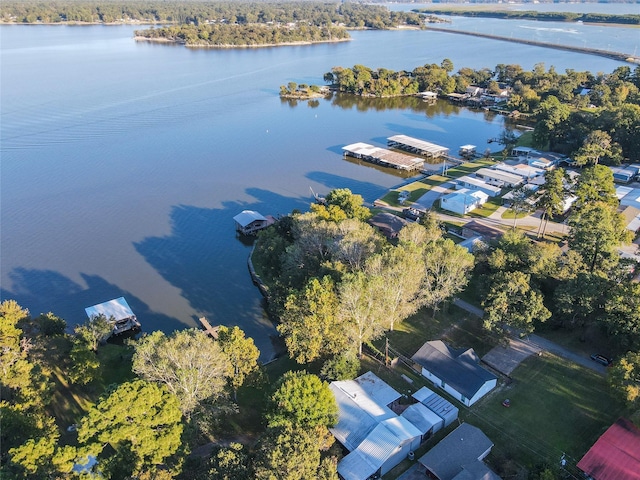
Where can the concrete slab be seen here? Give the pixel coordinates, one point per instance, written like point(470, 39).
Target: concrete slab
point(506, 359)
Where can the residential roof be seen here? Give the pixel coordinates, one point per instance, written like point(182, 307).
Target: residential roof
point(485, 231)
point(246, 217)
point(629, 197)
point(377, 389)
point(615, 455)
point(118, 308)
point(476, 471)
point(375, 449)
point(358, 413)
point(421, 145)
point(456, 452)
point(521, 170)
point(499, 175)
point(388, 223)
point(479, 183)
point(458, 368)
point(421, 417)
point(437, 404)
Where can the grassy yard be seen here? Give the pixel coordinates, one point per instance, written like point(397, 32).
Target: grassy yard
point(556, 407)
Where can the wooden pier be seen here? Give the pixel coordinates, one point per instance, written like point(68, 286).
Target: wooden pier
point(208, 329)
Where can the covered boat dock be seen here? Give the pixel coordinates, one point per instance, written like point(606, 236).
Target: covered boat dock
point(382, 156)
point(117, 312)
point(415, 145)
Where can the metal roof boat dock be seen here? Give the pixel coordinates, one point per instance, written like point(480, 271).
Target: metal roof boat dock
point(118, 314)
point(415, 145)
point(383, 157)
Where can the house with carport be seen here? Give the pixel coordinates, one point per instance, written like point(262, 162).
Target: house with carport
point(463, 201)
point(375, 436)
point(456, 371)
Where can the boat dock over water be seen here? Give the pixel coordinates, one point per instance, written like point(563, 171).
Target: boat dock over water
point(383, 156)
point(208, 328)
point(117, 313)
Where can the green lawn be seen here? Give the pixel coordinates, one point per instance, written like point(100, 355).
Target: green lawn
point(556, 407)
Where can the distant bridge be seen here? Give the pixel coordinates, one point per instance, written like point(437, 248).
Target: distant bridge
point(622, 57)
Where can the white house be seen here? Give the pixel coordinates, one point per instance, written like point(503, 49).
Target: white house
point(521, 169)
point(475, 183)
point(376, 437)
point(463, 201)
point(458, 372)
point(499, 178)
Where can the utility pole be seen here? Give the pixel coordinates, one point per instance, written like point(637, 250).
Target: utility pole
point(386, 351)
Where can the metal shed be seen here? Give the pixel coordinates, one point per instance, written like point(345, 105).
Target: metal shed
point(446, 410)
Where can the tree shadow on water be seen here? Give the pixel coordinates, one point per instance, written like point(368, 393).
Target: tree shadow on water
point(43, 291)
point(206, 260)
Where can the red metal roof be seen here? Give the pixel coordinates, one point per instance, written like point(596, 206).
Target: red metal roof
point(616, 454)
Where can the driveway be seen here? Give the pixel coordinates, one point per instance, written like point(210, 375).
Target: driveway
point(538, 342)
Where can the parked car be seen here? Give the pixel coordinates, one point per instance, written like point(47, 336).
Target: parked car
point(601, 359)
point(412, 213)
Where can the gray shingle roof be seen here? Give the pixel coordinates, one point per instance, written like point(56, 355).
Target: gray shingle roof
point(458, 368)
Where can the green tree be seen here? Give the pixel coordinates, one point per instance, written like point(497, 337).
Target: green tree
point(578, 300)
point(596, 146)
point(550, 114)
point(341, 367)
point(241, 352)
point(302, 400)
point(310, 324)
point(362, 308)
point(622, 308)
point(96, 330)
point(84, 366)
point(596, 185)
point(350, 203)
point(139, 419)
point(447, 267)
point(511, 301)
point(191, 365)
point(596, 231)
point(551, 200)
point(229, 463)
point(520, 202)
point(290, 453)
point(43, 457)
point(624, 378)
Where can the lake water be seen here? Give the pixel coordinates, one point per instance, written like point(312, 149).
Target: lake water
point(123, 163)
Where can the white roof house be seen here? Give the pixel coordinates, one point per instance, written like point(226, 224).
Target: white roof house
point(629, 197)
point(521, 170)
point(499, 178)
point(463, 201)
point(377, 438)
point(476, 183)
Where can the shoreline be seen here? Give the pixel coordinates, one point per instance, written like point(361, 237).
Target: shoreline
point(262, 45)
point(622, 57)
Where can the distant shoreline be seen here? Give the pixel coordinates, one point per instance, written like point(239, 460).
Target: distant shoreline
point(622, 57)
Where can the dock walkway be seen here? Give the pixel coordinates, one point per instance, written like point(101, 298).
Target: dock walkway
point(208, 329)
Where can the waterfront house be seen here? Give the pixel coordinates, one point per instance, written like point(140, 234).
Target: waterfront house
point(467, 181)
point(456, 371)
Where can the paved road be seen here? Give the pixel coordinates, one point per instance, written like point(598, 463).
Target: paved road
point(541, 342)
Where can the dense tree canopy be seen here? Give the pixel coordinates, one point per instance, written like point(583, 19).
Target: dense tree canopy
point(191, 365)
point(141, 421)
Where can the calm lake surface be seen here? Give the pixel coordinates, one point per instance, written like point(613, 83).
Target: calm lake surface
point(123, 163)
